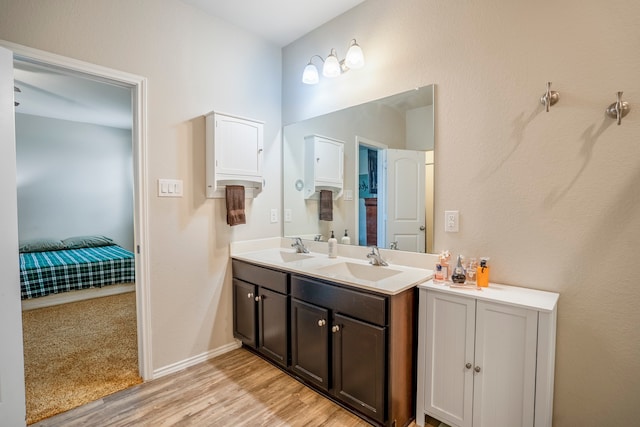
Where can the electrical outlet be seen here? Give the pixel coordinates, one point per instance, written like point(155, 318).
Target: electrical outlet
point(274, 215)
point(451, 221)
point(288, 215)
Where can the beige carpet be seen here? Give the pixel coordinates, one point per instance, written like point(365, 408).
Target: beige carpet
point(78, 352)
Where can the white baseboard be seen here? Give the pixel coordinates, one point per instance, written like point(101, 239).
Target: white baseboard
point(178, 366)
point(79, 295)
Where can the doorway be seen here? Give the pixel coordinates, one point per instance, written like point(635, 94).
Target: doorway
point(137, 87)
point(371, 179)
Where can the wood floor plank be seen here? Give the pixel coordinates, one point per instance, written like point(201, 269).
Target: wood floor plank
point(235, 389)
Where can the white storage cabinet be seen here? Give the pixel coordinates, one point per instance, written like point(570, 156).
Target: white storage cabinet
point(486, 357)
point(234, 152)
point(324, 166)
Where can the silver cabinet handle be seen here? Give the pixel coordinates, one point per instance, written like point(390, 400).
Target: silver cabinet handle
point(335, 328)
point(250, 295)
point(322, 322)
point(468, 365)
point(477, 369)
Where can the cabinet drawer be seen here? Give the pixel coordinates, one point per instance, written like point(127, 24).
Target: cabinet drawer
point(360, 305)
point(265, 277)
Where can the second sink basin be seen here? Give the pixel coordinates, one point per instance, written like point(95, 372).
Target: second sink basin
point(358, 271)
point(292, 256)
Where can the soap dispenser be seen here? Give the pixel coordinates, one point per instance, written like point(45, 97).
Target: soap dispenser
point(333, 246)
point(346, 240)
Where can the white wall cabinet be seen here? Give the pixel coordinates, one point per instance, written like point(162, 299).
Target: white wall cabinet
point(324, 166)
point(486, 358)
point(234, 152)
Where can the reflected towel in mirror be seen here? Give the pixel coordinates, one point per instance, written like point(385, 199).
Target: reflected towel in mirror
point(326, 205)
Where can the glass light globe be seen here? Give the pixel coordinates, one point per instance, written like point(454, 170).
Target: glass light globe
point(331, 65)
point(310, 74)
point(355, 57)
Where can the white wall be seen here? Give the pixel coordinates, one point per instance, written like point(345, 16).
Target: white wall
point(74, 179)
point(194, 64)
point(552, 197)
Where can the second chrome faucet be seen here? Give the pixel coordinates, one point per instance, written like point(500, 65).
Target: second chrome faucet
point(375, 258)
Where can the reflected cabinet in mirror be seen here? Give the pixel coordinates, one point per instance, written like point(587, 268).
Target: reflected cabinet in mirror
point(367, 169)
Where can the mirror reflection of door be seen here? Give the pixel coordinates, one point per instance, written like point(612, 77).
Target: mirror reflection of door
point(405, 205)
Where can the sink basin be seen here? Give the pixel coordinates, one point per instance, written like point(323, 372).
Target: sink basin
point(292, 256)
point(358, 271)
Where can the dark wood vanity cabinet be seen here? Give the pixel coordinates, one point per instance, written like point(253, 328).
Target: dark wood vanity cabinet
point(352, 345)
point(260, 310)
point(310, 343)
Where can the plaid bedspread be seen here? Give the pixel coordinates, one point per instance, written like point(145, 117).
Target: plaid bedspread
point(44, 273)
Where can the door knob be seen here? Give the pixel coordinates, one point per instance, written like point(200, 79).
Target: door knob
point(477, 369)
point(468, 365)
point(258, 298)
point(322, 322)
point(335, 328)
point(250, 295)
point(422, 228)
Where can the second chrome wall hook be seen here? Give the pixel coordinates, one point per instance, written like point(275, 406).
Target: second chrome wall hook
point(618, 109)
point(550, 97)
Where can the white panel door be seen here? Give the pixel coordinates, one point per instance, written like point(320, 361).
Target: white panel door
point(405, 210)
point(12, 398)
point(449, 358)
point(505, 365)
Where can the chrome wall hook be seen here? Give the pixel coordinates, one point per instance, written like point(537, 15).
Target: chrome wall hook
point(618, 109)
point(550, 97)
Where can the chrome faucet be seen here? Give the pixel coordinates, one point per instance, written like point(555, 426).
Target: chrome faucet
point(375, 258)
point(299, 246)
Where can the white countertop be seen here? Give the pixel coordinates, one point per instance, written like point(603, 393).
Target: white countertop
point(506, 294)
point(319, 265)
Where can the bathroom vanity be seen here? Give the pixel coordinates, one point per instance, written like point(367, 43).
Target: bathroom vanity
point(341, 326)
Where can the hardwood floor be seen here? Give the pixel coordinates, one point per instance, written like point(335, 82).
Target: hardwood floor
point(235, 389)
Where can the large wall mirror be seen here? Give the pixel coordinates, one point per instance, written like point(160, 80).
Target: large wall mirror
point(387, 191)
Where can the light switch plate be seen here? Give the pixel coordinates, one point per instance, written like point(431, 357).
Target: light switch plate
point(348, 195)
point(170, 188)
point(451, 221)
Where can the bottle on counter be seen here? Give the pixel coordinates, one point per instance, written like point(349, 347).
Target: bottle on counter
point(458, 275)
point(482, 273)
point(346, 240)
point(443, 260)
point(438, 277)
point(333, 246)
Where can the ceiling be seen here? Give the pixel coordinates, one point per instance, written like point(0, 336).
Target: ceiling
point(279, 21)
point(49, 93)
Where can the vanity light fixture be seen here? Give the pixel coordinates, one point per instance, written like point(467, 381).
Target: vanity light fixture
point(332, 66)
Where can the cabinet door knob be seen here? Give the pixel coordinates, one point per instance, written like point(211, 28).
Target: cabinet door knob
point(477, 369)
point(335, 328)
point(322, 322)
point(258, 298)
point(468, 365)
point(250, 295)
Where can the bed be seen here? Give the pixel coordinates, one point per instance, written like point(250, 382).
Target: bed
point(77, 266)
